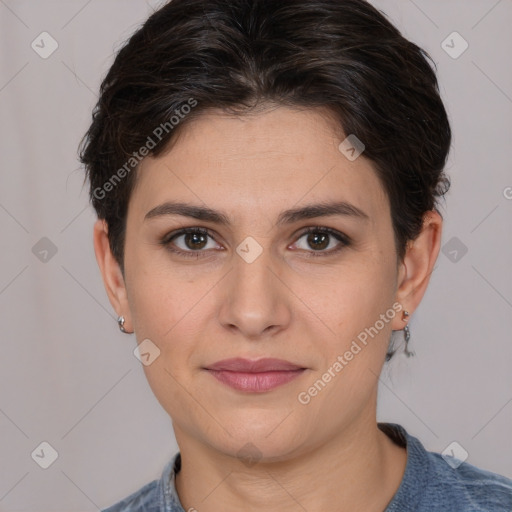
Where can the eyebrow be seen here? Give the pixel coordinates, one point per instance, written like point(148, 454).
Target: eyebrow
point(286, 217)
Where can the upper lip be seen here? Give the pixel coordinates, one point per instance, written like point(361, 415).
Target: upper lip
point(239, 364)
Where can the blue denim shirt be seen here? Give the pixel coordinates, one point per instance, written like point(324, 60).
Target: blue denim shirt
point(429, 484)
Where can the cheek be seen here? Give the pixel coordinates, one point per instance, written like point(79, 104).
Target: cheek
point(167, 319)
point(353, 312)
point(171, 314)
point(158, 300)
point(358, 292)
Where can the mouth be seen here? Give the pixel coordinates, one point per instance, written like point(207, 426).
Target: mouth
point(254, 376)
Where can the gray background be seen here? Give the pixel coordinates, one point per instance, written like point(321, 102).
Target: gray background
point(69, 377)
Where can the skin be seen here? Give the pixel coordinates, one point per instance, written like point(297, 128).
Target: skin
point(328, 455)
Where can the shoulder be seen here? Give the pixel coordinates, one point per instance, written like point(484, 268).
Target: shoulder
point(145, 499)
point(479, 489)
point(434, 482)
point(156, 496)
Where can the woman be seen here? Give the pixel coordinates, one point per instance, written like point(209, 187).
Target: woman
point(266, 177)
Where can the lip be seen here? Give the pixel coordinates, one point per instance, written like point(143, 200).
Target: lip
point(254, 376)
point(239, 364)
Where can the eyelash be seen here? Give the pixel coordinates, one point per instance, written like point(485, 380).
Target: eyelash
point(343, 239)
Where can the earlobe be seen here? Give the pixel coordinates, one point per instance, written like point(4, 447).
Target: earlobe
point(418, 264)
point(113, 279)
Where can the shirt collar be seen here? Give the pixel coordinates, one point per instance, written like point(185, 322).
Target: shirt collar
point(169, 500)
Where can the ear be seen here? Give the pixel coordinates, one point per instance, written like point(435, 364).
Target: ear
point(417, 265)
point(111, 272)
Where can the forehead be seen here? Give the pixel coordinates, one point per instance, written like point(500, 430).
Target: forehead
point(258, 163)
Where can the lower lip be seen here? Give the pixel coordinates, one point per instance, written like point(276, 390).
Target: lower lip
point(255, 382)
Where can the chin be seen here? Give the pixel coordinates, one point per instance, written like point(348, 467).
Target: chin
point(268, 439)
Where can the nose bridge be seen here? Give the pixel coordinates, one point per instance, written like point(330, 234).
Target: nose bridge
point(254, 299)
point(252, 275)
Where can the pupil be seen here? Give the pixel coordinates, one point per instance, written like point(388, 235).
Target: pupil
point(195, 242)
point(313, 238)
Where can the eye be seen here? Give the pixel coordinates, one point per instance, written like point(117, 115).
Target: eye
point(194, 240)
point(320, 238)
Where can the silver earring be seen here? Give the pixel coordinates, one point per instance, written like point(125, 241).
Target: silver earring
point(120, 321)
point(407, 334)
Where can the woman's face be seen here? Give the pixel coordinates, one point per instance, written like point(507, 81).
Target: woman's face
point(256, 286)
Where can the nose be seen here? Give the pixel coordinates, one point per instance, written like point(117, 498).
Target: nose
point(256, 303)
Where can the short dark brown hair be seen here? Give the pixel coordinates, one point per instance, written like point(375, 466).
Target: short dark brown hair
point(234, 55)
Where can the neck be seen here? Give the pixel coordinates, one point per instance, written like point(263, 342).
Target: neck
point(359, 469)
